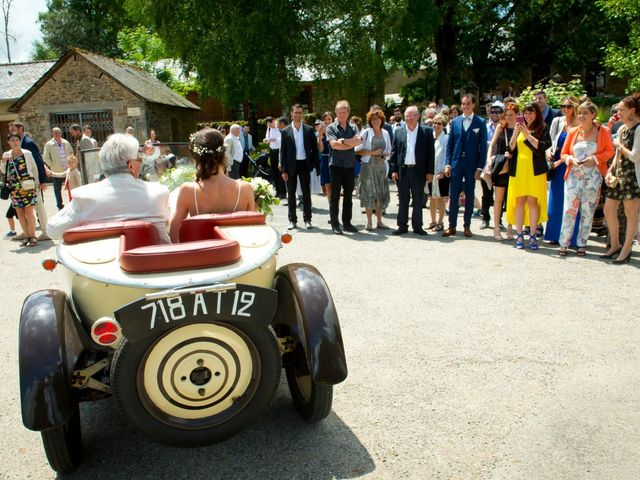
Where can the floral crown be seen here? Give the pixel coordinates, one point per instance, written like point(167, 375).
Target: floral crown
point(201, 149)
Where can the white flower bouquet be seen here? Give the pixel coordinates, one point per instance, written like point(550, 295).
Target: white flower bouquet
point(264, 194)
point(172, 178)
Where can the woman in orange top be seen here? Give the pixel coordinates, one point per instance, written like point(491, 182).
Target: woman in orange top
point(586, 151)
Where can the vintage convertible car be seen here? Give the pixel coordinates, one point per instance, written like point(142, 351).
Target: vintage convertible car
point(190, 338)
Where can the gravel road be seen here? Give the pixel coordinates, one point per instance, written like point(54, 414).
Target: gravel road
point(467, 359)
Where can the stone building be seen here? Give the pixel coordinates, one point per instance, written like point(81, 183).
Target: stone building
point(15, 80)
point(89, 89)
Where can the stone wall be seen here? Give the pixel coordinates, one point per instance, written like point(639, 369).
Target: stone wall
point(170, 123)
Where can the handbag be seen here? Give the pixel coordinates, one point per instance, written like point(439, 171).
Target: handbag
point(5, 191)
point(28, 184)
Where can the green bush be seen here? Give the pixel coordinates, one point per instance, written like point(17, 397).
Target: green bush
point(555, 92)
point(310, 118)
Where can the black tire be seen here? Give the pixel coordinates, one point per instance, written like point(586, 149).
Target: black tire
point(63, 445)
point(193, 385)
point(312, 400)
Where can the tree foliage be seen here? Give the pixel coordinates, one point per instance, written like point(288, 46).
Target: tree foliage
point(89, 24)
point(146, 49)
point(623, 56)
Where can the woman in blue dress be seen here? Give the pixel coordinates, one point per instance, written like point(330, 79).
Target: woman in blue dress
point(558, 131)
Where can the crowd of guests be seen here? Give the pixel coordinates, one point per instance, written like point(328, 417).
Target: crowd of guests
point(539, 165)
point(550, 172)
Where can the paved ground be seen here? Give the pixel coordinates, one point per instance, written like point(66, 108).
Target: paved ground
point(467, 359)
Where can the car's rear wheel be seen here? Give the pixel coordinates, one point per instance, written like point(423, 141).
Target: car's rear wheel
point(312, 400)
point(199, 383)
point(63, 445)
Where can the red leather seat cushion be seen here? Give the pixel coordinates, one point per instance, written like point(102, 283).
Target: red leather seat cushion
point(179, 256)
point(140, 251)
point(139, 232)
point(199, 227)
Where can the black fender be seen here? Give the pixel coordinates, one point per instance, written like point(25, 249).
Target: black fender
point(306, 307)
point(51, 340)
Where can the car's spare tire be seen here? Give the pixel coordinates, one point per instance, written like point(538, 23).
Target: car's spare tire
point(199, 383)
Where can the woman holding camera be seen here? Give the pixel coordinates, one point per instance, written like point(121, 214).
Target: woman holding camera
point(622, 180)
point(586, 151)
point(21, 174)
point(528, 174)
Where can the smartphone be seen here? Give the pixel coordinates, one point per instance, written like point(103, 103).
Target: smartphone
point(520, 119)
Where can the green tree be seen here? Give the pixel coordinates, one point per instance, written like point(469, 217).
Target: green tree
point(146, 49)
point(623, 55)
point(89, 24)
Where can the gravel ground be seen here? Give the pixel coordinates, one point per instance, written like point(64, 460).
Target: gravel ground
point(467, 359)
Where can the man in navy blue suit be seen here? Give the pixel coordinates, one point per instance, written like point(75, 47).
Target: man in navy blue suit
point(465, 157)
point(412, 164)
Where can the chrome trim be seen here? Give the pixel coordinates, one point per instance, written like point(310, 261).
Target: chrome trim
point(220, 287)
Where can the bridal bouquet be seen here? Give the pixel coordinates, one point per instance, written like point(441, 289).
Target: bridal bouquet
point(264, 194)
point(172, 178)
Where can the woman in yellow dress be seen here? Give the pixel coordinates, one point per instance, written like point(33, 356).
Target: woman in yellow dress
point(527, 193)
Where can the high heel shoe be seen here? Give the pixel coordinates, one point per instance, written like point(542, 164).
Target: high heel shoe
point(612, 254)
point(626, 259)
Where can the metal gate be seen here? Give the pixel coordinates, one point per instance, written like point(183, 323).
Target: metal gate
point(101, 122)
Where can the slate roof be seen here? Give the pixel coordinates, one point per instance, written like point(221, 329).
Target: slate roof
point(17, 78)
point(142, 84)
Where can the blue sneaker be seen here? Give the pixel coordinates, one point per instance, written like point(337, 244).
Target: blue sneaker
point(10, 233)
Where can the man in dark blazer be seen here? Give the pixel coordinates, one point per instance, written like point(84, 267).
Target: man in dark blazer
point(412, 164)
point(547, 112)
point(298, 158)
point(465, 157)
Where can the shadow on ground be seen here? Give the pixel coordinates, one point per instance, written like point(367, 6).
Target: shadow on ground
point(278, 445)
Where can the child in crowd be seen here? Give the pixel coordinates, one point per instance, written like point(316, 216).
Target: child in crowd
point(72, 175)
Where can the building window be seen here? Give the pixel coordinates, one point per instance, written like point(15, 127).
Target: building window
point(101, 123)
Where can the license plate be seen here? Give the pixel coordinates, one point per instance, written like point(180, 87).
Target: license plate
point(156, 313)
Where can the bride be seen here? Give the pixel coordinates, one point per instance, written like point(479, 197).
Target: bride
point(213, 191)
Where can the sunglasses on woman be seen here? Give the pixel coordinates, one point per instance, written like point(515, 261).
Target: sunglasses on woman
point(566, 106)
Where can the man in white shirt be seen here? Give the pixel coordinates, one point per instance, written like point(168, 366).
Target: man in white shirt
point(273, 138)
point(412, 165)
point(233, 151)
point(120, 196)
point(298, 158)
point(55, 156)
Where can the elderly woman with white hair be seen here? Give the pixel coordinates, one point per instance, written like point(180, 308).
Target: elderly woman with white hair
point(120, 196)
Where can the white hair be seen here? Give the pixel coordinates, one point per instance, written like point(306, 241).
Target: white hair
point(116, 153)
point(234, 127)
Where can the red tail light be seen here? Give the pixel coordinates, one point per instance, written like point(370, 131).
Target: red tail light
point(106, 332)
point(49, 263)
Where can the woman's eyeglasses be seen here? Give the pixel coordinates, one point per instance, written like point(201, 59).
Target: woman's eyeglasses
point(438, 123)
point(569, 107)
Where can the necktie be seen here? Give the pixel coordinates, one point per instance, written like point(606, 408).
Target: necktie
point(466, 123)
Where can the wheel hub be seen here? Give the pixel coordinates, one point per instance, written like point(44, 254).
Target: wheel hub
point(198, 371)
